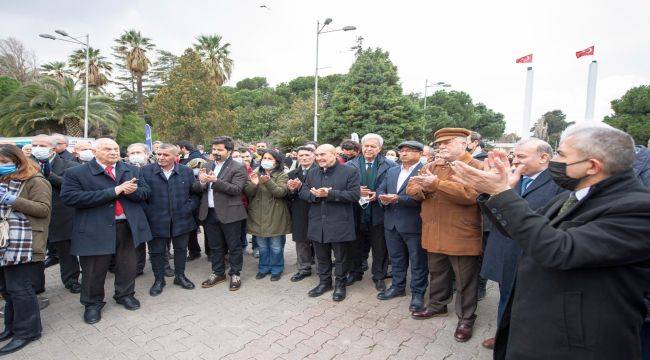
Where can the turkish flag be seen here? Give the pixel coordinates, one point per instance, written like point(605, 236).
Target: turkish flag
point(586, 52)
point(526, 59)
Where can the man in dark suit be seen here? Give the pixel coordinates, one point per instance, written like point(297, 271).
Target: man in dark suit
point(403, 227)
point(300, 212)
point(372, 167)
point(332, 189)
point(53, 168)
point(61, 147)
point(222, 183)
point(532, 181)
point(188, 152)
point(585, 267)
point(107, 195)
point(169, 212)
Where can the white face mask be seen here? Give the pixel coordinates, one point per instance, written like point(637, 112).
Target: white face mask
point(391, 157)
point(86, 155)
point(41, 153)
point(138, 159)
point(196, 172)
point(423, 160)
point(267, 164)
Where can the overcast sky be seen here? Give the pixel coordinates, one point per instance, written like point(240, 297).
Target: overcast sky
point(469, 44)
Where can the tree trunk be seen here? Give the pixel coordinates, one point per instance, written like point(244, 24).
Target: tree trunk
point(73, 127)
point(140, 99)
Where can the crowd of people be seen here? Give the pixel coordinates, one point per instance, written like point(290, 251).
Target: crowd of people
point(563, 232)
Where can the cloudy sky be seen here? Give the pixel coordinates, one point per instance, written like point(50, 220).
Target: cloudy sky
point(469, 44)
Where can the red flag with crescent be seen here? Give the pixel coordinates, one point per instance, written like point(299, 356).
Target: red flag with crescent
point(525, 59)
point(586, 52)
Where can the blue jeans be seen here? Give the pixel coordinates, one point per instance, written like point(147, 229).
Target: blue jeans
point(405, 248)
point(271, 254)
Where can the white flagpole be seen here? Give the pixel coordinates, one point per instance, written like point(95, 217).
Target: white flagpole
point(591, 91)
point(528, 103)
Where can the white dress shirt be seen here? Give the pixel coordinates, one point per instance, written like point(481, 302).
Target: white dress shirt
point(403, 175)
point(216, 171)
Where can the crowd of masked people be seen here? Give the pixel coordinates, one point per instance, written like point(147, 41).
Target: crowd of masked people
point(564, 232)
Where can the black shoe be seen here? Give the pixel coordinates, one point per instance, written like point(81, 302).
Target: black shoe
point(260, 275)
point(321, 289)
point(92, 315)
point(157, 287)
point(184, 282)
point(351, 278)
point(43, 302)
point(50, 261)
point(364, 265)
point(74, 287)
point(390, 293)
point(299, 276)
point(380, 285)
point(191, 256)
point(16, 344)
point(169, 272)
point(275, 277)
point(417, 303)
point(129, 302)
point(339, 292)
point(139, 273)
point(6, 335)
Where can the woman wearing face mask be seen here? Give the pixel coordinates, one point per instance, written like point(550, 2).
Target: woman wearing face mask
point(392, 155)
point(268, 215)
point(25, 208)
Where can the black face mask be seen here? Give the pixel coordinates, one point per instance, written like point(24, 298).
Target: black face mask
point(558, 173)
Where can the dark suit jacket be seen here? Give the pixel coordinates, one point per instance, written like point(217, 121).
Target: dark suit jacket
point(66, 155)
point(404, 216)
point(376, 210)
point(299, 208)
point(582, 276)
point(227, 192)
point(170, 204)
point(62, 216)
point(501, 252)
point(89, 190)
point(331, 219)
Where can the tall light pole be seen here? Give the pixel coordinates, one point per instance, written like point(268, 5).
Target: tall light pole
point(427, 85)
point(74, 40)
point(320, 30)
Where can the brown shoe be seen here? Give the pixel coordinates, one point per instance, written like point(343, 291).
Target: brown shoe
point(213, 280)
point(428, 313)
point(488, 343)
point(464, 329)
point(235, 282)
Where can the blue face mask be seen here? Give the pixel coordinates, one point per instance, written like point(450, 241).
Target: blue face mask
point(7, 169)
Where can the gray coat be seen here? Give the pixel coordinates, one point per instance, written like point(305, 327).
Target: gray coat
point(376, 210)
point(227, 192)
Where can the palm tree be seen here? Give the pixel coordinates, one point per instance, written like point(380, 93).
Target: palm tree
point(99, 69)
point(51, 103)
point(132, 49)
point(55, 69)
point(215, 56)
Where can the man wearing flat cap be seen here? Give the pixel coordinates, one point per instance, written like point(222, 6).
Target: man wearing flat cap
point(403, 227)
point(451, 231)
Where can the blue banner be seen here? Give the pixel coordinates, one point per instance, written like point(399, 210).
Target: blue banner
point(147, 137)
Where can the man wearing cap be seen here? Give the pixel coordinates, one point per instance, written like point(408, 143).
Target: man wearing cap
point(403, 227)
point(451, 231)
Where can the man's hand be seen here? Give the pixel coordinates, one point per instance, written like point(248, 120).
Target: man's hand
point(388, 199)
point(492, 181)
point(513, 179)
point(372, 196)
point(321, 192)
point(365, 192)
point(294, 184)
point(203, 176)
point(127, 187)
point(425, 180)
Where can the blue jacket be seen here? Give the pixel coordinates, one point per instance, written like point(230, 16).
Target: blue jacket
point(404, 216)
point(169, 208)
point(376, 210)
point(642, 165)
point(89, 190)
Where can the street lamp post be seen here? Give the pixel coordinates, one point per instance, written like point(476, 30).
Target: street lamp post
point(74, 40)
point(427, 85)
point(319, 30)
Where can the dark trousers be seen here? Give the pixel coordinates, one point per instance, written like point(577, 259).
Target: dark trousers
point(645, 341)
point(22, 315)
point(141, 255)
point(158, 254)
point(193, 244)
point(405, 248)
point(323, 252)
point(52, 251)
point(371, 238)
point(441, 267)
point(221, 238)
point(244, 241)
point(38, 277)
point(69, 264)
point(95, 267)
point(305, 255)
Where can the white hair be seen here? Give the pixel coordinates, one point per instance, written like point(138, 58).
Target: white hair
point(613, 147)
point(371, 136)
point(143, 146)
point(542, 146)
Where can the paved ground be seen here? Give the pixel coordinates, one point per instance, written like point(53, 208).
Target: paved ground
point(263, 320)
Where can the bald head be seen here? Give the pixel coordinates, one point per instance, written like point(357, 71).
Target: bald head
point(326, 155)
point(107, 151)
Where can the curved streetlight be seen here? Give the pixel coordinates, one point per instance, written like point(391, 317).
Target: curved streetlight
point(321, 30)
point(67, 38)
